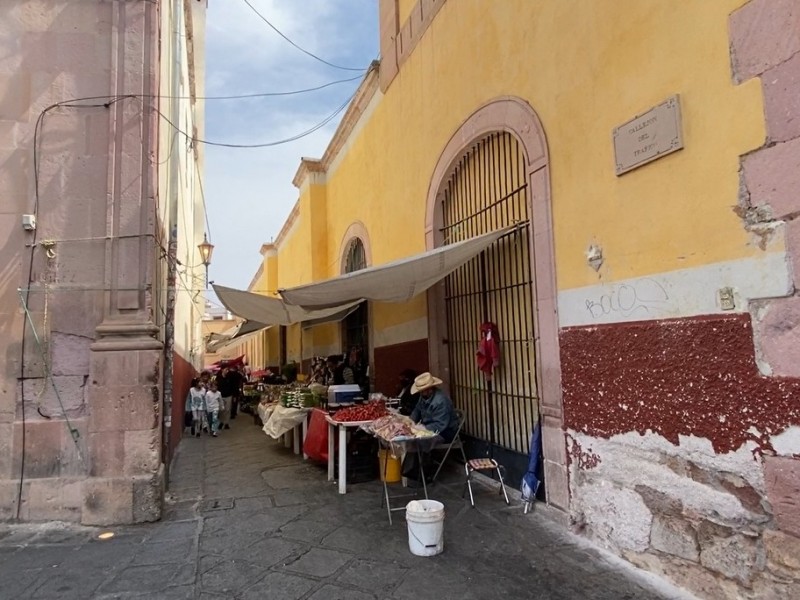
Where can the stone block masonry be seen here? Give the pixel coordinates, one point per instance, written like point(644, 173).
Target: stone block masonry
point(80, 413)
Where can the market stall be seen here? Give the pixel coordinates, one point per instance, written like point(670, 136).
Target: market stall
point(391, 429)
point(285, 409)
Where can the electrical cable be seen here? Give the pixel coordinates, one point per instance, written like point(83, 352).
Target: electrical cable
point(303, 50)
point(293, 138)
point(115, 99)
point(74, 433)
point(265, 94)
point(36, 132)
point(108, 101)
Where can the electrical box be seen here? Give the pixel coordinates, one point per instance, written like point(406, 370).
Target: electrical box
point(727, 301)
point(29, 222)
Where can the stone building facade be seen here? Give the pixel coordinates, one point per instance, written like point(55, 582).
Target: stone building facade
point(83, 297)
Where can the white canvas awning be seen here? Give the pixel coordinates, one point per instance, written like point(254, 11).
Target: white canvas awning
point(274, 311)
point(397, 281)
point(218, 341)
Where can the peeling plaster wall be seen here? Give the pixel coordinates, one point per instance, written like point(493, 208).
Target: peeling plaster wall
point(681, 452)
point(685, 511)
point(683, 419)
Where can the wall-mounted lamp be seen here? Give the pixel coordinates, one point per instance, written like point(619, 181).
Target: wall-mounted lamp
point(206, 250)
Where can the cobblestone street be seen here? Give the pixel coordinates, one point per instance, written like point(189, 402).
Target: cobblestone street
point(247, 519)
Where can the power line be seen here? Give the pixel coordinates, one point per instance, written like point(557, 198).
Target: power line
point(113, 99)
point(293, 138)
point(303, 50)
point(266, 94)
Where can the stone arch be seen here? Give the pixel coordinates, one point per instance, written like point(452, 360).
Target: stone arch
point(517, 117)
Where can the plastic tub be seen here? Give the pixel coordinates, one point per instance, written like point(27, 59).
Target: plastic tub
point(392, 466)
point(425, 520)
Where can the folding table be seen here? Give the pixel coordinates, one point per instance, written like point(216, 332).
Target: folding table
point(406, 445)
point(342, 426)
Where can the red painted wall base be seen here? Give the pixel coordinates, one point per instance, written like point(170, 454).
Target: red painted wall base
point(690, 376)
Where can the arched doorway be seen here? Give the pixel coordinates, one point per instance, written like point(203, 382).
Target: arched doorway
point(488, 191)
point(355, 327)
point(494, 172)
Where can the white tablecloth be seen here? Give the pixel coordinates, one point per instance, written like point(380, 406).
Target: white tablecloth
point(265, 411)
point(282, 419)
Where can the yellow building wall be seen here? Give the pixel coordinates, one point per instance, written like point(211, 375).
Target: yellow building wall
point(326, 340)
point(404, 8)
point(293, 343)
point(619, 59)
point(616, 59)
point(295, 266)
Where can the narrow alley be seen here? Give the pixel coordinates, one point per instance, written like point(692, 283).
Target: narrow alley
point(248, 519)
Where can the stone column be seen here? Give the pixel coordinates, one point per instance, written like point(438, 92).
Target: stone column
point(126, 475)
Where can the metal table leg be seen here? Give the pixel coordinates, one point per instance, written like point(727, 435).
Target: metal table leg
point(305, 433)
point(422, 474)
point(296, 439)
point(386, 486)
point(331, 458)
point(342, 459)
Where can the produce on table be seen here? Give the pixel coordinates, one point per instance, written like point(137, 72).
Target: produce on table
point(273, 393)
point(298, 398)
point(392, 427)
point(364, 412)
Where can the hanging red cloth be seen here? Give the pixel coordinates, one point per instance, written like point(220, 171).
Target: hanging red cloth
point(488, 354)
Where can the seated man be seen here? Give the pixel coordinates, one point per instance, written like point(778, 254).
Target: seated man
point(434, 410)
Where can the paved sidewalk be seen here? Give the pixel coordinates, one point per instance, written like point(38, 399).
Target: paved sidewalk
point(248, 519)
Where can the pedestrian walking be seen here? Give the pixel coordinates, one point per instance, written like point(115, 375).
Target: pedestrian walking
point(213, 403)
point(227, 388)
point(238, 383)
point(197, 401)
point(188, 418)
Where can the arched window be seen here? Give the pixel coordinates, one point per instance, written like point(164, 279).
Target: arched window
point(356, 258)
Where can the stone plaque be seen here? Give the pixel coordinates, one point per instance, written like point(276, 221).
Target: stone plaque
point(648, 136)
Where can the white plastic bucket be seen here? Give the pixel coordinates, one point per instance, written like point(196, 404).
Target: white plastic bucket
point(425, 520)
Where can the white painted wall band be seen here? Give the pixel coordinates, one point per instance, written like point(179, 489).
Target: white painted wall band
point(681, 293)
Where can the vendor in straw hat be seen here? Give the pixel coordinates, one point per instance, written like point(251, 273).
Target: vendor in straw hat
point(434, 410)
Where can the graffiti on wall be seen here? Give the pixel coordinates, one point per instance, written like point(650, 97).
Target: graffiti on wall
point(627, 299)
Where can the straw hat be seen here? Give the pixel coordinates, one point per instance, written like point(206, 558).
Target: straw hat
point(424, 382)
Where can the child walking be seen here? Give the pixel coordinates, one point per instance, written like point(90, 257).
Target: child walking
point(197, 400)
point(213, 404)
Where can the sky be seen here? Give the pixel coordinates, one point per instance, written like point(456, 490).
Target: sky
point(249, 192)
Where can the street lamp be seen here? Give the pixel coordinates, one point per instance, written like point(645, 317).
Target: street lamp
point(206, 249)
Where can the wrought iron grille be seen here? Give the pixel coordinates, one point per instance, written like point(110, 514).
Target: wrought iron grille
point(487, 191)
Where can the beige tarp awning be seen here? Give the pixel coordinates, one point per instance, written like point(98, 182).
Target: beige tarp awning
point(238, 333)
point(397, 281)
point(274, 311)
